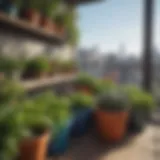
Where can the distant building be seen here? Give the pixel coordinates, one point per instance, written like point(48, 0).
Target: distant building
point(90, 61)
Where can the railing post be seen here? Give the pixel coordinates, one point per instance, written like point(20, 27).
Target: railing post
point(148, 48)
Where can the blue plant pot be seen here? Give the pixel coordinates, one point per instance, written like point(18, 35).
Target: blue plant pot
point(59, 144)
point(81, 122)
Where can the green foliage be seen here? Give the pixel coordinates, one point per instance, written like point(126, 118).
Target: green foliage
point(72, 29)
point(10, 91)
point(67, 66)
point(113, 100)
point(104, 86)
point(86, 80)
point(32, 4)
point(80, 100)
point(57, 109)
point(49, 7)
point(139, 99)
point(8, 65)
point(11, 131)
point(38, 65)
point(18, 3)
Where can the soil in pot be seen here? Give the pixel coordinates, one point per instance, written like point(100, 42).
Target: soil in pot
point(35, 148)
point(111, 125)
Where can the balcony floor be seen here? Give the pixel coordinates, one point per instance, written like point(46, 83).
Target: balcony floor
point(135, 147)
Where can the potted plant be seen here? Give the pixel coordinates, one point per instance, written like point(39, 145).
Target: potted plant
point(142, 105)
point(37, 67)
point(111, 115)
point(48, 8)
point(31, 11)
point(81, 105)
point(38, 127)
point(58, 110)
point(85, 83)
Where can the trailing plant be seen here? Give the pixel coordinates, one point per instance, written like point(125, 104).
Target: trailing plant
point(49, 7)
point(71, 26)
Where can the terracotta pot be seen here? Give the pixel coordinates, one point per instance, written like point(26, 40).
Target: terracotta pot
point(111, 126)
point(46, 23)
point(34, 148)
point(32, 16)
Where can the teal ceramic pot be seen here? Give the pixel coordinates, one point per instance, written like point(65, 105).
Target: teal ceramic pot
point(60, 142)
point(81, 121)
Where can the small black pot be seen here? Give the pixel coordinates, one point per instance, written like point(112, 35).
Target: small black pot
point(136, 121)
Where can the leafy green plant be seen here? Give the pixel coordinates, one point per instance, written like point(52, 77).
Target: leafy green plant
point(85, 80)
point(57, 109)
point(80, 100)
point(140, 99)
point(11, 131)
point(10, 91)
point(113, 100)
point(38, 65)
point(104, 86)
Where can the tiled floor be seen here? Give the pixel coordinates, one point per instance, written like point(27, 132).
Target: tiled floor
point(140, 147)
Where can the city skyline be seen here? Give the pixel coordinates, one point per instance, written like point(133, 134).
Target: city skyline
point(113, 23)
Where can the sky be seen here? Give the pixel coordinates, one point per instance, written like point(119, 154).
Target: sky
point(115, 23)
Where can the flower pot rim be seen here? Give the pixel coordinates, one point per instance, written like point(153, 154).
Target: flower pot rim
point(114, 110)
point(34, 137)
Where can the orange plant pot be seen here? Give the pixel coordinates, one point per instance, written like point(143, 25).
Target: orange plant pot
point(34, 148)
point(46, 23)
point(32, 16)
point(111, 125)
